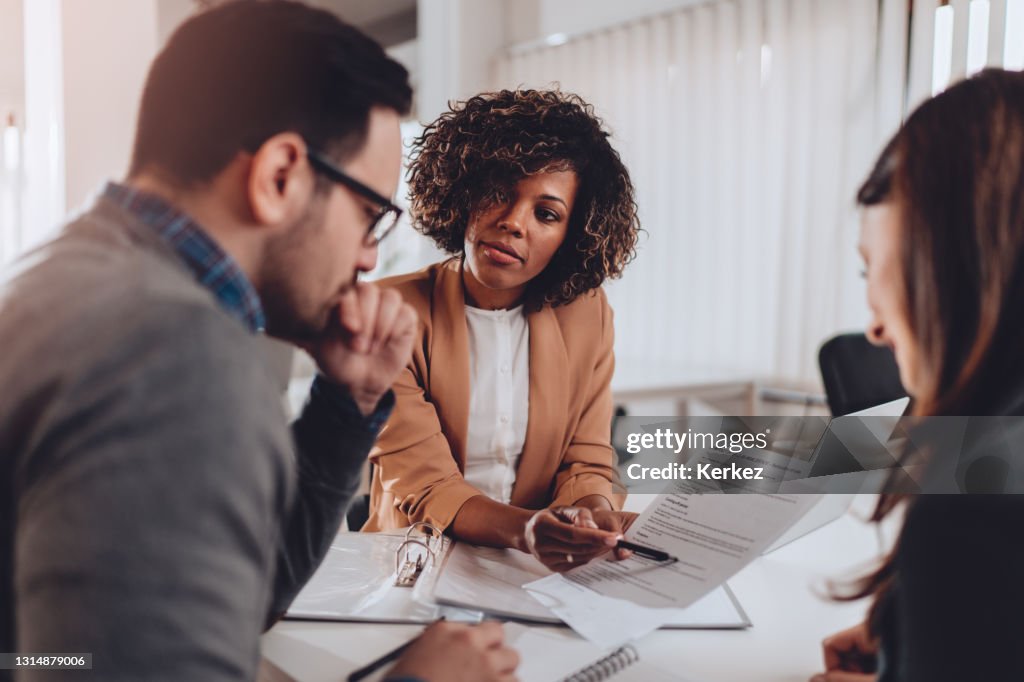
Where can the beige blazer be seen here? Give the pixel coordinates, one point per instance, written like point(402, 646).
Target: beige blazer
point(420, 454)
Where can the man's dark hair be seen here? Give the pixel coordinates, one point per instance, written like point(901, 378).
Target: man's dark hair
point(239, 73)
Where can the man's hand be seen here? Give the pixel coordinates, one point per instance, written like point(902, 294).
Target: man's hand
point(558, 542)
point(454, 652)
point(370, 344)
point(850, 656)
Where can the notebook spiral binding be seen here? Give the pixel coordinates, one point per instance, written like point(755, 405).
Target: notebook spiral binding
point(603, 669)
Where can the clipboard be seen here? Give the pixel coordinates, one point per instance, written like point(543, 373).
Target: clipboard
point(380, 578)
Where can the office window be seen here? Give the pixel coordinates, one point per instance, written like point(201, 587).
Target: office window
point(747, 127)
point(969, 35)
point(1013, 57)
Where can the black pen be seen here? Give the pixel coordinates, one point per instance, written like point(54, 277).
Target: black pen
point(387, 658)
point(646, 552)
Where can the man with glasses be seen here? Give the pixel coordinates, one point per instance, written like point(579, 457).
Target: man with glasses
point(387, 215)
point(156, 510)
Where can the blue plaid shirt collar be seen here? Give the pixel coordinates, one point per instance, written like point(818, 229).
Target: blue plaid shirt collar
point(212, 267)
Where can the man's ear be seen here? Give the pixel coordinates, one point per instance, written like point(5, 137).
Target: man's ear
point(280, 180)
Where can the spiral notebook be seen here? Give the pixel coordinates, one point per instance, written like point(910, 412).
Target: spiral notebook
point(546, 655)
point(550, 655)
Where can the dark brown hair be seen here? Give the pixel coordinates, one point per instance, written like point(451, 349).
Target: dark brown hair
point(477, 151)
point(955, 172)
point(239, 73)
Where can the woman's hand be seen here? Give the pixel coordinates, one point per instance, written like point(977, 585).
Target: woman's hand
point(555, 538)
point(595, 511)
point(617, 522)
point(850, 656)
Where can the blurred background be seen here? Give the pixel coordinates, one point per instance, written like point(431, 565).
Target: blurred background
point(747, 126)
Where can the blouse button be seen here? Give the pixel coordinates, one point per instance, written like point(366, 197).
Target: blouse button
point(504, 419)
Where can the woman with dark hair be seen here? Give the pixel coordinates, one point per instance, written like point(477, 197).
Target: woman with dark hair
point(942, 238)
point(506, 407)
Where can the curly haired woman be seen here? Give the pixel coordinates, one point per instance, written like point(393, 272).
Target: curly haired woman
point(501, 430)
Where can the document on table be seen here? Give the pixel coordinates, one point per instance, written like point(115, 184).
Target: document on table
point(714, 536)
point(492, 580)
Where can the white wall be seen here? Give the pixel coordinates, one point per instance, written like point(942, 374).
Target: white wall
point(104, 70)
point(529, 20)
point(457, 42)
point(105, 66)
point(522, 20)
point(169, 14)
point(42, 194)
point(12, 62)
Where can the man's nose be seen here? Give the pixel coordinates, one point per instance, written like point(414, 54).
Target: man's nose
point(367, 260)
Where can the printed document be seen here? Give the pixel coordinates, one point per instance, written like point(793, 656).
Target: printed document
point(713, 536)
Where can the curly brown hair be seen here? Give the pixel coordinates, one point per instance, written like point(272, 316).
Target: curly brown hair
point(477, 151)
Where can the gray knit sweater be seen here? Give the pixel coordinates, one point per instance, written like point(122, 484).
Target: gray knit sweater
point(156, 509)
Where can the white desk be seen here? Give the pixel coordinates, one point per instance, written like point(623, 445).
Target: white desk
point(777, 591)
point(780, 595)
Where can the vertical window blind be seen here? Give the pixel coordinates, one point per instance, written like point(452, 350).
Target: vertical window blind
point(747, 126)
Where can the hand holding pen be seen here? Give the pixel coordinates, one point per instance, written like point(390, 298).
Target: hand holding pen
point(603, 519)
point(561, 543)
point(616, 522)
point(565, 537)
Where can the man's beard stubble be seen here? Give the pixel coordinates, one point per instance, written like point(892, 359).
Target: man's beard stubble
point(291, 314)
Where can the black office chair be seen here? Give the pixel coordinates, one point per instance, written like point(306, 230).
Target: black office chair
point(857, 374)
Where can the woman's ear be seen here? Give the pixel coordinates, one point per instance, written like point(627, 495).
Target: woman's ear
point(280, 180)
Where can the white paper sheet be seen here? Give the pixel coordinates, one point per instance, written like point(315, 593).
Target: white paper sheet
point(492, 579)
point(714, 536)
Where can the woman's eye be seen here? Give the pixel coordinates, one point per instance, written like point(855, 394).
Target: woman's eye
point(547, 216)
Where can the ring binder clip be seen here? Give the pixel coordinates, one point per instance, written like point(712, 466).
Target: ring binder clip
point(410, 560)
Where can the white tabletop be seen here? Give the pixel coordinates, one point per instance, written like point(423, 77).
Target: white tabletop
point(785, 595)
point(781, 592)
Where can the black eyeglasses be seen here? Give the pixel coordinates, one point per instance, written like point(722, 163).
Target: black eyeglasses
point(388, 215)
